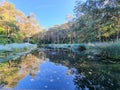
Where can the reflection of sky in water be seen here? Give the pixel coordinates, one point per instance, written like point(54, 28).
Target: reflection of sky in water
point(60, 71)
point(49, 77)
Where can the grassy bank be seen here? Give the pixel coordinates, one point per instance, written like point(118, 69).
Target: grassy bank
point(107, 50)
point(111, 51)
point(9, 49)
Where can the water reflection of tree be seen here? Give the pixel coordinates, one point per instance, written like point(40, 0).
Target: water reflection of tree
point(11, 73)
point(95, 78)
point(65, 58)
point(89, 74)
point(30, 64)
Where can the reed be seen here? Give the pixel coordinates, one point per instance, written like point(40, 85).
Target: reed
point(111, 51)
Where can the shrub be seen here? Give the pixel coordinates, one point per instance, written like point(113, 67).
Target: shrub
point(3, 40)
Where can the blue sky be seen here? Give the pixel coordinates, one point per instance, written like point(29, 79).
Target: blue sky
point(47, 12)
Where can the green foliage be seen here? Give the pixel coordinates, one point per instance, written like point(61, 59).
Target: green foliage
point(107, 30)
point(2, 31)
point(97, 20)
point(33, 41)
point(111, 51)
point(14, 25)
point(3, 40)
point(17, 37)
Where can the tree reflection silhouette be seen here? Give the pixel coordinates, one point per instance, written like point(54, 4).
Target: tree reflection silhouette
point(12, 72)
point(87, 73)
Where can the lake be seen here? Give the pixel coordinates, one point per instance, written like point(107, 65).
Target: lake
point(59, 70)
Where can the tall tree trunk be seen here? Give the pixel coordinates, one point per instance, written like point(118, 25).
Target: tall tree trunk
point(117, 36)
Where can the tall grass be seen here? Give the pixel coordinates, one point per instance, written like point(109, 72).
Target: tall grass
point(111, 51)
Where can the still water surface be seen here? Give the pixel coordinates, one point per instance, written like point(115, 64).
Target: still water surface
point(59, 70)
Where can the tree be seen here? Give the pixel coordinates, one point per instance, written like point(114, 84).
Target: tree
point(97, 19)
point(16, 25)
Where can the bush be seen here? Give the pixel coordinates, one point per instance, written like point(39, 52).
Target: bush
point(3, 40)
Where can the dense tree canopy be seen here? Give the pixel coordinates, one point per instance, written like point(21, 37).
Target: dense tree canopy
point(96, 20)
point(100, 18)
point(14, 25)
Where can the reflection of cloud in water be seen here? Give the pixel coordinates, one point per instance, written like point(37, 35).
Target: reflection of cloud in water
point(31, 79)
point(51, 80)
